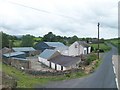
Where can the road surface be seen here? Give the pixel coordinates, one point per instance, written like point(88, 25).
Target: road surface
point(103, 77)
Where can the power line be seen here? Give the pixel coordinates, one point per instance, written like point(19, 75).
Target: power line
point(44, 11)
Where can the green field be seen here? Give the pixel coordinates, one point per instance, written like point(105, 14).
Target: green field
point(17, 43)
point(102, 46)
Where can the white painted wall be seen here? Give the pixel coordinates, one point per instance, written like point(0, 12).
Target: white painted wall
point(89, 50)
point(44, 61)
point(58, 67)
point(72, 50)
point(85, 51)
point(52, 65)
point(64, 68)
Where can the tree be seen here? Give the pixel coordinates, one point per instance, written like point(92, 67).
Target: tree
point(73, 39)
point(27, 41)
point(5, 39)
point(50, 37)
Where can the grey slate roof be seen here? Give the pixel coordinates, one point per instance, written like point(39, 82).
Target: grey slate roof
point(55, 44)
point(20, 49)
point(61, 48)
point(65, 60)
point(83, 43)
point(13, 54)
point(47, 53)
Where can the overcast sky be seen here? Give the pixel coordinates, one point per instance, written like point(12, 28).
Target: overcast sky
point(62, 17)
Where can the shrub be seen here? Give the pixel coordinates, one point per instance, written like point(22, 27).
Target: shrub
point(91, 58)
point(67, 75)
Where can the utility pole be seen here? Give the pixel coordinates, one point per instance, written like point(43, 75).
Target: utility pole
point(98, 39)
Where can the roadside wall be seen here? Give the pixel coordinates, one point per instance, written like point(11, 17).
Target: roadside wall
point(18, 63)
point(52, 73)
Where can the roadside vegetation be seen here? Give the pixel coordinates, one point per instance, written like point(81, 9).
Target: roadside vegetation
point(116, 43)
point(103, 47)
point(25, 80)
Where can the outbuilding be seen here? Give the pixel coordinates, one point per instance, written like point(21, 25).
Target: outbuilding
point(55, 60)
point(15, 55)
point(29, 51)
point(48, 45)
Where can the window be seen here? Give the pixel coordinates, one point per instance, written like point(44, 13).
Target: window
point(76, 46)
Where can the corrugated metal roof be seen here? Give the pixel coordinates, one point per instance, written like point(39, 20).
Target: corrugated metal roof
point(47, 53)
point(61, 48)
point(55, 44)
point(13, 54)
point(19, 49)
point(20, 59)
point(65, 60)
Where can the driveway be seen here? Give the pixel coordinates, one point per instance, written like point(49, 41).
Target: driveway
point(38, 66)
point(103, 77)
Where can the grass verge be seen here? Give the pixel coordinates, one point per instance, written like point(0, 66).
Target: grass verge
point(28, 81)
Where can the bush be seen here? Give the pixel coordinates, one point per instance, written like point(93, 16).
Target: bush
point(91, 58)
point(67, 75)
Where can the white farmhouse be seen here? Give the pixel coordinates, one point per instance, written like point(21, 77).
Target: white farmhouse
point(79, 48)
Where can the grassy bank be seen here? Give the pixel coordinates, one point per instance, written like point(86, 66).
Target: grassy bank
point(25, 80)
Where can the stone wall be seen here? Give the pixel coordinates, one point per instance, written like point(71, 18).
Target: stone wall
point(18, 63)
point(51, 73)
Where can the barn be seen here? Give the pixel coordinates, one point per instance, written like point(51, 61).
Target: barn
point(29, 51)
point(55, 60)
point(48, 45)
point(78, 48)
point(15, 55)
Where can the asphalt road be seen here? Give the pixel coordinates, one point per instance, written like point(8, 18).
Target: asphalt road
point(103, 77)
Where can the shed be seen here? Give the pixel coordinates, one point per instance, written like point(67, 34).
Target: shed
point(46, 55)
point(28, 50)
point(55, 60)
point(62, 62)
point(14, 54)
point(48, 45)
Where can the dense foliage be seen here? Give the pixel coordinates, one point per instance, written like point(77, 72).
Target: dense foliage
point(29, 40)
point(91, 58)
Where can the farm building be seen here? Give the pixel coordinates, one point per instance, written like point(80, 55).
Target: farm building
point(29, 51)
point(14, 54)
point(79, 48)
point(48, 45)
point(63, 50)
point(55, 60)
point(4, 51)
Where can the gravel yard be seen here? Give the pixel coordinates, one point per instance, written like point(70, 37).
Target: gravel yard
point(36, 65)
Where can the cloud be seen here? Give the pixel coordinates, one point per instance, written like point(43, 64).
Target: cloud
point(62, 17)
